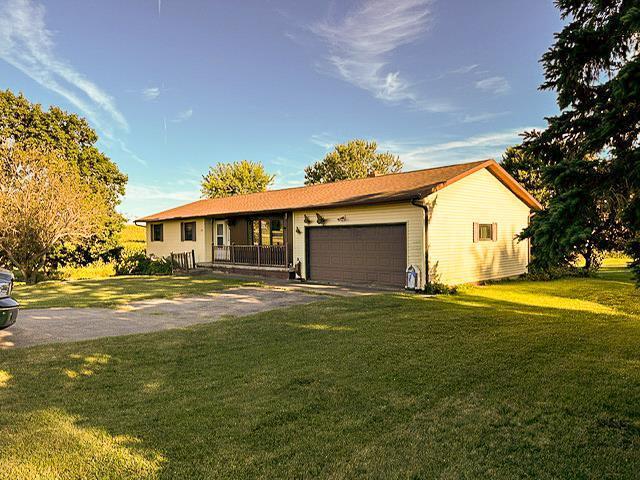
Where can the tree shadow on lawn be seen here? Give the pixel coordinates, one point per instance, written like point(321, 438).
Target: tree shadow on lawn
point(390, 385)
point(611, 290)
point(116, 291)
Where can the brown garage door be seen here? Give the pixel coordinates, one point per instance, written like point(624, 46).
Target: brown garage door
point(375, 255)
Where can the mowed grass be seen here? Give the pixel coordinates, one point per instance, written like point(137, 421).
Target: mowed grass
point(513, 380)
point(117, 291)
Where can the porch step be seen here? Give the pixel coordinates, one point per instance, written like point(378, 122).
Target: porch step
point(271, 272)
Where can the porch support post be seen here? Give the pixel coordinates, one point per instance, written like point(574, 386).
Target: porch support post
point(286, 239)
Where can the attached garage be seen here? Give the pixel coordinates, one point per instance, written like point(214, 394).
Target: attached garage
point(370, 255)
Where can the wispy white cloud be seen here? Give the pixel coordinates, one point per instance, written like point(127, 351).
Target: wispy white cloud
point(324, 140)
point(128, 151)
point(495, 85)
point(151, 93)
point(288, 178)
point(165, 130)
point(464, 69)
point(419, 154)
point(183, 116)
point(482, 117)
point(143, 199)
point(477, 147)
point(27, 44)
point(361, 43)
point(137, 191)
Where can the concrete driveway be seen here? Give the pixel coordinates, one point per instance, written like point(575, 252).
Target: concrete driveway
point(52, 325)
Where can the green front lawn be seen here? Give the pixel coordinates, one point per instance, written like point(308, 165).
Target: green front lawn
point(116, 291)
point(518, 379)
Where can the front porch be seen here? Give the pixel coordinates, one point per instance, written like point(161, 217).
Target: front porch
point(251, 245)
point(251, 260)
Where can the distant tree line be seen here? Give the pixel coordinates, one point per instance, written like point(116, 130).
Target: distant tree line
point(354, 159)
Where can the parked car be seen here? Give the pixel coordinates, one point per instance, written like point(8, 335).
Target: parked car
point(8, 306)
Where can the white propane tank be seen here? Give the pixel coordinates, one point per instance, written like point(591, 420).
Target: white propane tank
point(413, 278)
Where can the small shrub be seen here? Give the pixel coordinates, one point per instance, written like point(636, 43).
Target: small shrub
point(619, 255)
point(555, 273)
point(138, 263)
point(436, 288)
point(99, 269)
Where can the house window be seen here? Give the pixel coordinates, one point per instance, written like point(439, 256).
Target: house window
point(220, 234)
point(485, 232)
point(277, 232)
point(156, 232)
point(188, 231)
point(267, 231)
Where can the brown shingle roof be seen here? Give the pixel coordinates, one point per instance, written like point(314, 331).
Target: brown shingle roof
point(381, 189)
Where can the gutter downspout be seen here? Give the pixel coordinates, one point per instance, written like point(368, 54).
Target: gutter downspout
point(531, 215)
point(426, 231)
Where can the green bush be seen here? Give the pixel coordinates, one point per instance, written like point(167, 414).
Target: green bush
point(436, 288)
point(138, 263)
point(619, 255)
point(555, 273)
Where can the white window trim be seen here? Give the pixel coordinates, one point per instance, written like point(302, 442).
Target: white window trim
point(493, 232)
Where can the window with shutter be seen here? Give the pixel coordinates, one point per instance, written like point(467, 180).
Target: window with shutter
point(485, 232)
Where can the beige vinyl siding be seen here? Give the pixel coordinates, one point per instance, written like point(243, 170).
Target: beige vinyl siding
point(394, 213)
point(453, 256)
point(172, 240)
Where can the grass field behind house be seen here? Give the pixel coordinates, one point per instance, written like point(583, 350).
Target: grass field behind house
point(117, 291)
point(512, 380)
point(132, 238)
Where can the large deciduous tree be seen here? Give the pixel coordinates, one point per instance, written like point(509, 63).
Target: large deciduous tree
point(44, 202)
point(591, 149)
point(237, 178)
point(27, 125)
point(354, 159)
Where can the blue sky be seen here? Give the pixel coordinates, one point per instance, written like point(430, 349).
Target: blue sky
point(175, 86)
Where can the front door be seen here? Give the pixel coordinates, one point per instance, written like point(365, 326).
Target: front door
point(221, 240)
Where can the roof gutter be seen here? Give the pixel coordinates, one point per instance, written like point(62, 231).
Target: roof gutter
point(426, 231)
